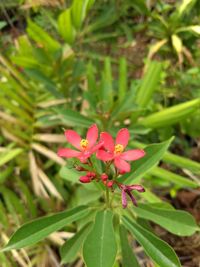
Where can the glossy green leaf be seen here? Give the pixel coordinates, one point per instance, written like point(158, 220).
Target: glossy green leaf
point(72, 246)
point(100, 246)
point(160, 252)
point(154, 154)
point(128, 257)
point(34, 231)
point(175, 221)
point(65, 26)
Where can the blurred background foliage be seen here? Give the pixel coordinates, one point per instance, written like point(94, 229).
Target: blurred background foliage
point(68, 64)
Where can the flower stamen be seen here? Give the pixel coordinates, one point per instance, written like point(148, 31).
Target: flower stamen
point(118, 149)
point(84, 143)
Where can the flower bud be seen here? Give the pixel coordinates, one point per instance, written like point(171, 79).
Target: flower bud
point(110, 183)
point(104, 177)
point(85, 179)
point(91, 174)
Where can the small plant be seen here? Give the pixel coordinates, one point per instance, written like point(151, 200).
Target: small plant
point(103, 226)
point(109, 152)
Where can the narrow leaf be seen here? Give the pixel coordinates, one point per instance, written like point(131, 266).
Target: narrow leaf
point(149, 84)
point(128, 257)
point(72, 246)
point(158, 250)
point(171, 115)
point(33, 232)
point(65, 26)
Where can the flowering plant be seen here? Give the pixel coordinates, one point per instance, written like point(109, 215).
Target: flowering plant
point(103, 230)
point(110, 152)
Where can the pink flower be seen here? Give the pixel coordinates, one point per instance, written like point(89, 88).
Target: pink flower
point(85, 147)
point(115, 151)
point(126, 190)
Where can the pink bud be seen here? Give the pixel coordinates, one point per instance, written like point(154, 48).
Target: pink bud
point(104, 177)
point(91, 174)
point(110, 183)
point(85, 179)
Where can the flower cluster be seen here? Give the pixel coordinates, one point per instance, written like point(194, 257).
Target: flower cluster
point(111, 152)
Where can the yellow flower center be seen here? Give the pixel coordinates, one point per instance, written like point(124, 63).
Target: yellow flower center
point(84, 143)
point(119, 149)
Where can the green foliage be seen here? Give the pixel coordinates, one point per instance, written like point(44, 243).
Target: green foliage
point(38, 229)
point(100, 246)
point(64, 72)
point(158, 250)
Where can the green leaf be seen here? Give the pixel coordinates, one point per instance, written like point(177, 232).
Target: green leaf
point(173, 177)
point(100, 246)
point(127, 106)
point(175, 221)
point(185, 6)
point(106, 86)
point(174, 159)
point(34, 231)
point(74, 118)
point(154, 154)
point(41, 37)
point(70, 175)
point(72, 246)
point(122, 79)
point(79, 8)
point(149, 84)
point(128, 257)
point(158, 250)
point(65, 26)
point(171, 115)
point(9, 154)
point(182, 162)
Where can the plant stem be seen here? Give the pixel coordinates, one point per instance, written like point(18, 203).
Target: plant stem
point(107, 198)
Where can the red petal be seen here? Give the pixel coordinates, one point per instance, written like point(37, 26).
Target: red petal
point(73, 138)
point(108, 141)
point(137, 187)
point(68, 153)
point(92, 135)
point(123, 137)
point(103, 155)
point(132, 198)
point(96, 147)
point(122, 165)
point(133, 154)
